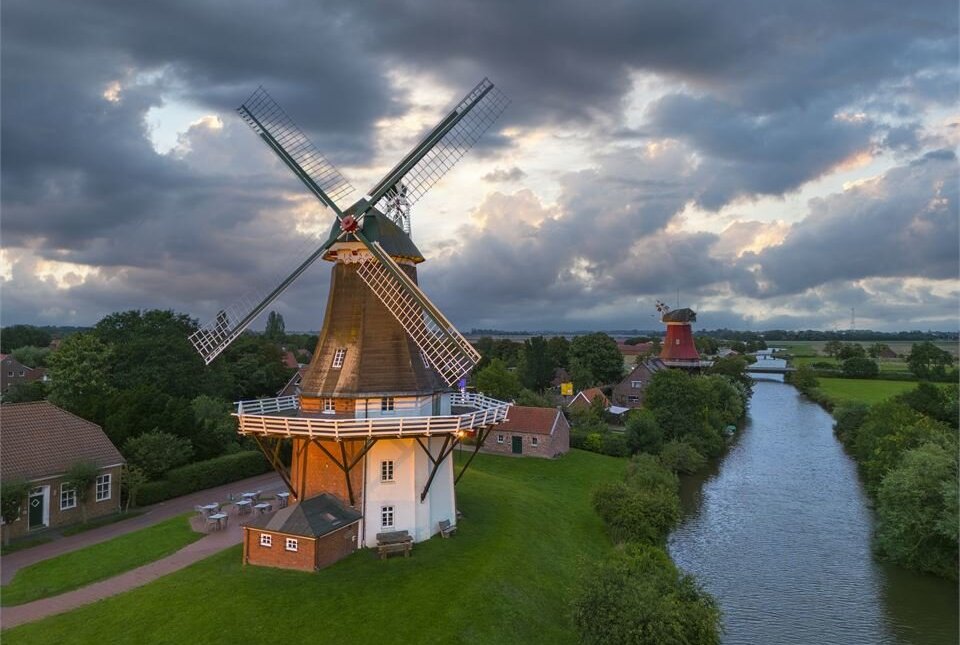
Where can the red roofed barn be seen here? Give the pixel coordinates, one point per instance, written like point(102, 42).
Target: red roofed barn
point(40, 443)
point(584, 398)
point(541, 432)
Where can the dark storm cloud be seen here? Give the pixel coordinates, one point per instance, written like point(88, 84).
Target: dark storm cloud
point(901, 224)
point(752, 94)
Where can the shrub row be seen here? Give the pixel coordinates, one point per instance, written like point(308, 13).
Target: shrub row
point(604, 443)
point(203, 474)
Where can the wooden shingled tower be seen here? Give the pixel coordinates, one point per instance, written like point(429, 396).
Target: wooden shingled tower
point(377, 417)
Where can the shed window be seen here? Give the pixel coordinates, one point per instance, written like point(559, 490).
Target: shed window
point(534, 441)
point(386, 404)
point(386, 517)
point(292, 544)
point(266, 540)
point(386, 470)
point(338, 356)
point(103, 487)
point(499, 438)
point(68, 497)
point(633, 399)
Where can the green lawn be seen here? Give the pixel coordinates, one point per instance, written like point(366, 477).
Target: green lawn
point(870, 391)
point(84, 566)
point(891, 365)
point(506, 577)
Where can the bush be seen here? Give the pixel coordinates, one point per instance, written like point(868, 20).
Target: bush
point(637, 515)
point(860, 367)
point(615, 445)
point(203, 474)
point(643, 433)
point(157, 452)
point(645, 472)
point(636, 595)
point(681, 457)
point(849, 417)
point(593, 442)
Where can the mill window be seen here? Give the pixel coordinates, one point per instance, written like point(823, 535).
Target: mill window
point(426, 361)
point(103, 487)
point(68, 497)
point(292, 544)
point(266, 540)
point(386, 517)
point(386, 404)
point(386, 470)
point(328, 405)
point(338, 356)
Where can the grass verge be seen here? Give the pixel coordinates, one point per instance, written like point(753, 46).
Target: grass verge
point(98, 562)
point(25, 543)
point(869, 391)
point(100, 521)
point(506, 577)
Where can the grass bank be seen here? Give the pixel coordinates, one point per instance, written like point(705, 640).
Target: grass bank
point(98, 562)
point(506, 577)
point(869, 391)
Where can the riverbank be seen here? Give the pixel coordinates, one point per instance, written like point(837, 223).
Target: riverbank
point(779, 531)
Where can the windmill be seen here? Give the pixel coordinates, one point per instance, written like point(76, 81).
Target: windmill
point(391, 197)
point(375, 419)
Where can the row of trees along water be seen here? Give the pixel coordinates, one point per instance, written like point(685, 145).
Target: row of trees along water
point(136, 375)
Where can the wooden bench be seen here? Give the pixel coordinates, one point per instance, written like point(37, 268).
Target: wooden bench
point(394, 542)
point(447, 529)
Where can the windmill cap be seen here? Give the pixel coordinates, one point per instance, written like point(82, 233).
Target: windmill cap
point(377, 227)
point(680, 316)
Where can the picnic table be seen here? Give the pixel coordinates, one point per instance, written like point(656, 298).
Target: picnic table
point(284, 499)
point(255, 495)
point(243, 506)
point(209, 508)
point(263, 507)
point(394, 542)
point(218, 517)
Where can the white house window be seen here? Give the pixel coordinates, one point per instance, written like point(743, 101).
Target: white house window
point(338, 356)
point(499, 438)
point(328, 405)
point(266, 540)
point(677, 342)
point(534, 441)
point(386, 470)
point(10, 373)
point(21, 372)
point(68, 497)
point(103, 487)
point(633, 399)
point(291, 544)
point(636, 384)
point(386, 404)
point(386, 517)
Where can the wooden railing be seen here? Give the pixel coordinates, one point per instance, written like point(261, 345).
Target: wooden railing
point(265, 417)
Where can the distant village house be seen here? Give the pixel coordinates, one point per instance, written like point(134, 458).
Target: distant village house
point(629, 392)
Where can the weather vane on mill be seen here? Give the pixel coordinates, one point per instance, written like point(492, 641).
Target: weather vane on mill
point(376, 420)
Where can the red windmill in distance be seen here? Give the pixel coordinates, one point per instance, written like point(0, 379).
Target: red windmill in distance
point(679, 350)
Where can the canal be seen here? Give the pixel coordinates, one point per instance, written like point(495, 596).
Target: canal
point(779, 532)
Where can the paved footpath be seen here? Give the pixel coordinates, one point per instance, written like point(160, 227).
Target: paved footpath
point(202, 548)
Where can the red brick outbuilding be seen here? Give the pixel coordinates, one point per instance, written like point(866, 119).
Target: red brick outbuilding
point(541, 432)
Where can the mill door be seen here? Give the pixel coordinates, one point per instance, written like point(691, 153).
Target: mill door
point(35, 510)
point(517, 445)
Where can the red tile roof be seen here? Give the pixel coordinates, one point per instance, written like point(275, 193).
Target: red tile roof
point(289, 360)
point(39, 440)
point(522, 418)
point(586, 397)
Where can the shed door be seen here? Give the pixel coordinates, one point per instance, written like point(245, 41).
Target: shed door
point(517, 445)
point(35, 512)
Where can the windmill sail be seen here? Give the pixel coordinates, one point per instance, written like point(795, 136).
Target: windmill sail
point(445, 348)
point(278, 130)
point(440, 150)
point(215, 336)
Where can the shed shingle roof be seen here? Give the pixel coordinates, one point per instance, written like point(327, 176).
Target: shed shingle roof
point(40, 440)
point(522, 418)
point(312, 517)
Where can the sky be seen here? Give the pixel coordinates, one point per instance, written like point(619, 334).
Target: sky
point(769, 164)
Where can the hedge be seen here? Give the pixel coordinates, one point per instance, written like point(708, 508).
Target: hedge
point(203, 474)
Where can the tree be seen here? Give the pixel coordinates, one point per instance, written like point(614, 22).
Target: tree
point(735, 369)
point(133, 480)
point(32, 356)
point(275, 330)
point(151, 348)
point(157, 452)
point(581, 375)
point(926, 360)
point(637, 514)
point(532, 399)
point(917, 511)
point(599, 354)
point(216, 429)
point(832, 347)
point(851, 350)
point(25, 392)
point(79, 373)
point(81, 477)
point(143, 408)
point(12, 494)
point(637, 596)
point(804, 379)
point(706, 345)
point(497, 381)
point(681, 457)
point(876, 350)
point(933, 401)
point(558, 349)
point(848, 419)
point(860, 367)
point(536, 366)
point(21, 336)
point(643, 433)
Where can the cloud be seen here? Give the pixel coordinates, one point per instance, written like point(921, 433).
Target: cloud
point(504, 175)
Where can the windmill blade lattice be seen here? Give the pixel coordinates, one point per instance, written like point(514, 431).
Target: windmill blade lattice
point(447, 350)
point(268, 119)
point(453, 137)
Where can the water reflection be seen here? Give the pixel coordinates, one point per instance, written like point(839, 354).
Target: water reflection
point(779, 531)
